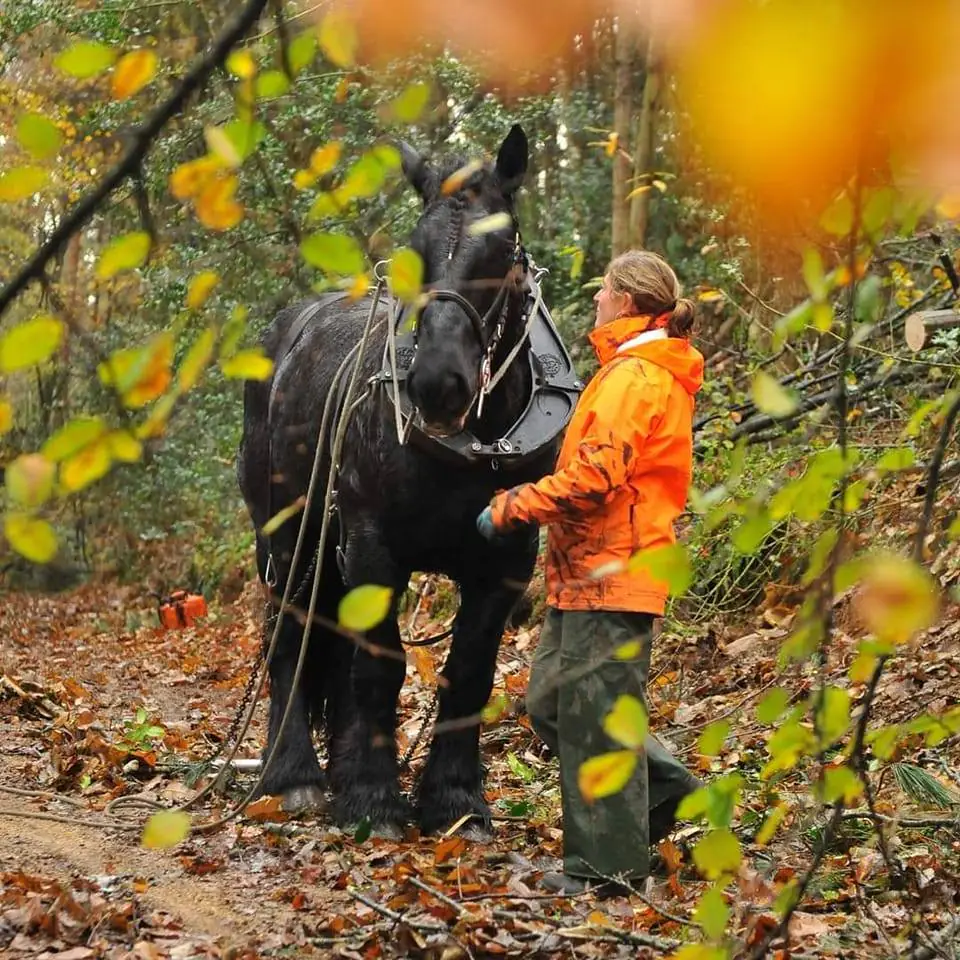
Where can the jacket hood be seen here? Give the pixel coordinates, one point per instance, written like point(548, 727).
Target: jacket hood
point(674, 354)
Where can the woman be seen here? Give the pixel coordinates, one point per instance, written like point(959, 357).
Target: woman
point(621, 480)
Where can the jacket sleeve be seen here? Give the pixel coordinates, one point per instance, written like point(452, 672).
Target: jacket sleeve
point(624, 410)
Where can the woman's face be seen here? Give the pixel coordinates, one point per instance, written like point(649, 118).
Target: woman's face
point(610, 305)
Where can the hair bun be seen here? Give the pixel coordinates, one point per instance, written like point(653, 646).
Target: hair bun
point(682, 319)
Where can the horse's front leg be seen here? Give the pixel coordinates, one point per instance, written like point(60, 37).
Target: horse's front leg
point(363, 754)
point(452, 781)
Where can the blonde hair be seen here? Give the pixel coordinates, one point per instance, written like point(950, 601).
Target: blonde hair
point(654, 289)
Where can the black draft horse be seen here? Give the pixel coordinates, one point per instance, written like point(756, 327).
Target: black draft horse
point(403, 506)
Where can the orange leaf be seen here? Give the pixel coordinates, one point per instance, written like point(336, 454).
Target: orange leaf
point(267, 808)
point(133, 73)
point(449, 849)
point(216, 207)
point(190, 178)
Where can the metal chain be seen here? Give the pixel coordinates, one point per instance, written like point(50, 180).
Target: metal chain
point(418, 739)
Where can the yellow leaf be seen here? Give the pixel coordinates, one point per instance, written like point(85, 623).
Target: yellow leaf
point(29, 480)
point(156, 423)
point(496, 221)
point(190, 178)
point(201, 286)
point(241, 64)
point(770, 397)
point(86, 467)
point(359, 286)
point(406, 274)
point(216, 207)
point(21, 182)
point(250, 364)
point(776, 816)
point(282, 516)
point(196, 360)
point(670, 564)
point(166, 828)
point(30, 537)
point(86, 58)
point(325, 158)
point(6, 416)
point(710, 296)
point(304, 179)
point(30, 343)
point(134, 71)
point(606, 774)
point(124, 446)
point(459, 177)
point(221, 146)
point(718, 853)
point(636, 191)
point(338, 38)
point(325, 205)
point(39, 135)
point(72, 437)
point(140, 374)
point(627, 722)
point(364, 607)
point(629, 650)
point(699, 951)
point(407, 106)
point(897, 598)
point(610, 147)
point(124, 253)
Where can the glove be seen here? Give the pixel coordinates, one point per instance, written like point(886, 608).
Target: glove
point(485, 525)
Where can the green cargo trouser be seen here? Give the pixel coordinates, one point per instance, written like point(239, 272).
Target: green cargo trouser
point(574, 682)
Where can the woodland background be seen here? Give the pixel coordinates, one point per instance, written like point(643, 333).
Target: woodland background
point(806, 205)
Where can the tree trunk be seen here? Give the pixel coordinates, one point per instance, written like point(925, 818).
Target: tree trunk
point(643, 149)
point(624, 59)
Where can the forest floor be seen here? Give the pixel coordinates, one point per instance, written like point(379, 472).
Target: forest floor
point(76, 667)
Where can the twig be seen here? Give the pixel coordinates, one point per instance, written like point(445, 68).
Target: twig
point(42, 795)
point(938, 940)
point(933, 478)
point(759, 299)
point(73, 821)
point(136, 152)
point(394, 916)
point(442, 897)
point(902, 821)
point(283, 34)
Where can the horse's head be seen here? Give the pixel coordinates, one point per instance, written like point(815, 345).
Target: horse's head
point(469, 271)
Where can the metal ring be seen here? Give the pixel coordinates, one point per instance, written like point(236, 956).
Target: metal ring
point(376, 270)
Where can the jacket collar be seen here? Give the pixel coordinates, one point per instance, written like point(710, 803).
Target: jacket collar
point(611, 337)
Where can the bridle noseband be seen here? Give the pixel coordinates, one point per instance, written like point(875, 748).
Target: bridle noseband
point(480, 322)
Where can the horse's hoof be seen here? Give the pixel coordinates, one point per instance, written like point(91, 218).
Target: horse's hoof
point(475, 833)
point(309, 797)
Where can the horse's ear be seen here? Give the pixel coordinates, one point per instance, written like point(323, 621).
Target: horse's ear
point(415, 168)
point(512, 160)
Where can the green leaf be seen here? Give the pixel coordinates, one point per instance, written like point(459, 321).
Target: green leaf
point(245, 135)
point(252, 364)
point(333, 253)
point(369, 173)
point(878, 209)
point(867, 302)
point(606, 774)
point(233, 331)
point(406, 274)
point(717, 854)
point(712, 913)
point(364, 830)
point(772, 705)
point(712, 739)
point(85, 58)
point(838, 217)
point(364, 607)
point(282, 516)
point(39, 135)
point(627, 722)
point(787, 898)
point(776, 816)
point(694, 805)
point(29, 480)
point(338, 38)
point(813, 273)
point(790, 742)
point(748, 535)
point(853, 495)
point(21, 183)
point(669, 564)
point(630, 650)
point(30, 343)
point(271, 84)
point(407, 106)
point(166, 828)
point(496, 707)
point(823, 317)
point(883, 742)
point(302, 50)
point(820, 554)
point(519, 768)
point(30, 537)
point(770, 397)
point(124, 253)
point(896, 458)
point(196, 360)
point(840, 783)
point(795, 321)
point(72, 437)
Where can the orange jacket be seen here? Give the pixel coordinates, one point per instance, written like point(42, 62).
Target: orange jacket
point(623, 473)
